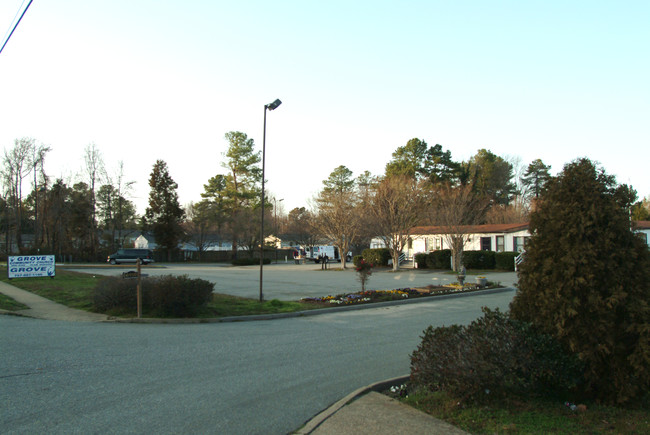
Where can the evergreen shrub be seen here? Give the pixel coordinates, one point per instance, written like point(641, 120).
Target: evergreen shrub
point(440, 259)
point(494, 356)
point(421, 260)
point(505, 260)
point(586, 280)
point(377, 256)
point(479, 259)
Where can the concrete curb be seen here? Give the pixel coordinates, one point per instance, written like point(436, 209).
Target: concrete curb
point(311, 312)
point(317, 420)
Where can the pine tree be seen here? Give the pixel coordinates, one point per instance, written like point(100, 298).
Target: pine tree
point(164, 214)
point(535, 177)
point(586, 280)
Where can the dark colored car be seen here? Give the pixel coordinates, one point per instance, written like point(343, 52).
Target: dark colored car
point(131, 256)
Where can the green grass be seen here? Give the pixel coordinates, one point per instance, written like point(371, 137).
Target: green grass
point(9, 304)
point(531, 416)
point(75, 290)
point(68, 288)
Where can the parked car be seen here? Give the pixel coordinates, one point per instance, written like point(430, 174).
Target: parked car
point(131, 256)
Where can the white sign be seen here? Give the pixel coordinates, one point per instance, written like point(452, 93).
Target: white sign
point(30, 266)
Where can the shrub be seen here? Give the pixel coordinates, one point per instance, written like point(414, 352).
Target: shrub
point(586, 280)
point(421, 260)
point(178, 296)
point(440, 259)
point(505, 260)
point(114, 293)
point(377, 257)
point(494, 356)
point(479, 259)
point(249, 261)
point(356, 260)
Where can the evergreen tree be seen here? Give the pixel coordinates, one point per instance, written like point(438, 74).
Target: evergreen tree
point(236, 195)
point(491, 176)
point(586, 280)
point(164, 214)
point(535, 178)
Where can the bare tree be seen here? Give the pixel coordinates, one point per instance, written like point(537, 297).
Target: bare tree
point(17, 164)
point(458, 209)
point(394, 209)
point(38, 160)
point(94, 167)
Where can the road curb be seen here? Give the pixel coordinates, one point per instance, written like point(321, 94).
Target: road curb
point(319, 418)
point(316, 312)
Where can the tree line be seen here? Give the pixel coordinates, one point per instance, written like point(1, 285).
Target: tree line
point(421, 185)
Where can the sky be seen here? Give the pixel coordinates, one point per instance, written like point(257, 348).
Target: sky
point(147, 80)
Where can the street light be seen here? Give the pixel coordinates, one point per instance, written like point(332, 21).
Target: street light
point(272, 106)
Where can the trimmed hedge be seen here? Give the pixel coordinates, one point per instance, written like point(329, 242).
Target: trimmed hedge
point(178, 296)
point(421, 260)
point(377, 257)
point(478, 259)
point(494, 356)
point(505, 260)
point(440, 259)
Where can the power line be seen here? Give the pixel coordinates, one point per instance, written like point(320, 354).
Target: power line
point(16, 25)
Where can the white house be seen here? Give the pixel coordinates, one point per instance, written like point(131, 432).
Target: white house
point(489, 237)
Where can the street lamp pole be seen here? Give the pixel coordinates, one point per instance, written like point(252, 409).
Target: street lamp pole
point(272, 106)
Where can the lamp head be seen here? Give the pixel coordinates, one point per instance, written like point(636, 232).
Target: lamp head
point(273, 105)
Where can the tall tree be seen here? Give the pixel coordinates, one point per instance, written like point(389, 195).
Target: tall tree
point(395, 208)
point(94, 167)
point(492, 177)
point(164, 214)
point(238, 192)
point(338, 218)
point(40, 184)
point(535, 178)
point(17, 164)
point(417, 160)
point(586, 280)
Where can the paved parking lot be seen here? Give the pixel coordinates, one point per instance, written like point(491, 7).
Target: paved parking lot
point(288, 281)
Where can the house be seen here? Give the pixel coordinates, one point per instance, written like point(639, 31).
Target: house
point(488, 237)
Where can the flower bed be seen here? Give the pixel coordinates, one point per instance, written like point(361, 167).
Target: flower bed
point(370, 296)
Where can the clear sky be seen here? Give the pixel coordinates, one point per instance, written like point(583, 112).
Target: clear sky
point(147, 80)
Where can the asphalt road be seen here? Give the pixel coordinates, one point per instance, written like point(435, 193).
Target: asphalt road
point(263, 377)
point(290, 282)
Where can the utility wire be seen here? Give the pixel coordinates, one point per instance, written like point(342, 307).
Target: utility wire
point(22, 5)
point(16, 25)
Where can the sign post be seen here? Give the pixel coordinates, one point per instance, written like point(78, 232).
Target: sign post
point(30, 266)
point(139, 287)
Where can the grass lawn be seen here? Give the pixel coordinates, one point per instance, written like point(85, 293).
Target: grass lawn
point(531, 416)
point(9, 304)
point(75, 290)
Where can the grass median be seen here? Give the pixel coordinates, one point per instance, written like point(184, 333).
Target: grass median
point(76, 290)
